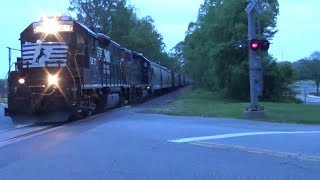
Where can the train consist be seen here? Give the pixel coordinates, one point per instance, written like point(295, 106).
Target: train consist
point(67, 71)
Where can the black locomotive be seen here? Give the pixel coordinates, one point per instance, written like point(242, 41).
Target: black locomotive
point(67, 71)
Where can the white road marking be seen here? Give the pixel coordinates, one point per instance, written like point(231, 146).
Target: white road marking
point(299, 156)
point(224, 136)
point(312, 96)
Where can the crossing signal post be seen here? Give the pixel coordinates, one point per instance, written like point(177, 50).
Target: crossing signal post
point(255, 66)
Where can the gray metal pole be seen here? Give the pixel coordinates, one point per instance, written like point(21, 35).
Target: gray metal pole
point(252, 62)
point(255, 67)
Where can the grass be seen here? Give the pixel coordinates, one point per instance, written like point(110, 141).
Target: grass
point(206, 104)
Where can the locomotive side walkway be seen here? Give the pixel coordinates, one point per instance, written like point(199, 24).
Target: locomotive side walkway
point(127, 144)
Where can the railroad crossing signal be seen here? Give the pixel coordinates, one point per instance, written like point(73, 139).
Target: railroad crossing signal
point(265, 44)
point(256, 44)
point(253, 5)
point(255, 64)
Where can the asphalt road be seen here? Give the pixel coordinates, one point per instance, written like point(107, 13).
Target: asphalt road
point(127, 144)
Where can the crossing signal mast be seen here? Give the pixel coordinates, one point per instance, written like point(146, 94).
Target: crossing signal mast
point(255, 65)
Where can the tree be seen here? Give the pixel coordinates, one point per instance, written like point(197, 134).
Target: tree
point(112, 17)
point(177, 54)
point(314, 68)
point(144, 38)
point(309, 68)
point(118, 20)
point(301, 69)
point(315, 55)
point(211, 59)
point(277, 80)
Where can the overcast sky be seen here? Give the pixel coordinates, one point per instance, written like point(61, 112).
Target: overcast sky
point(298, 23)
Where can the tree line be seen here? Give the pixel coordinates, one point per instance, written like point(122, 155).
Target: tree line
point(209, 54)
point(308, 69)
point(213, 58)
point(119, 20)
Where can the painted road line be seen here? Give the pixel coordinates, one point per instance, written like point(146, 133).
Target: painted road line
point(224, 136)
point(298, 156)
point(312, 96)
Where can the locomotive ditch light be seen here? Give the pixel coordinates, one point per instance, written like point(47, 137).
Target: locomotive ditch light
point(21, 81)
point(53, 80)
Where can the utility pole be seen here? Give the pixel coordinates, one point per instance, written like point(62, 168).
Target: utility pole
point(255, 66)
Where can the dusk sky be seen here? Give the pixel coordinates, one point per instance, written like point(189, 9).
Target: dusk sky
point(298, 23)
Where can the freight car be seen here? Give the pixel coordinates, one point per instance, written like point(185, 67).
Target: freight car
point(67, 71)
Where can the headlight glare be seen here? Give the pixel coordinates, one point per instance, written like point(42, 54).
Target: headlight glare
point(53, 80)
point(22, 81)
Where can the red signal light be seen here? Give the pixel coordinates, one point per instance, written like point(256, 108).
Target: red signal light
point(254, 44)
point(262, 44)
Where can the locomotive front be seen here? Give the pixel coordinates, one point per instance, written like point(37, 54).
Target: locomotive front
point(46, 78)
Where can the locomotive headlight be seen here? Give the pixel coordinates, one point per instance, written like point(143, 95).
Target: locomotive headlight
point(49, 26)
point(21, 81)
point(52, 26)
point(53, 80)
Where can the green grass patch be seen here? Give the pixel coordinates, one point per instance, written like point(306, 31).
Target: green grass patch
point(206, 104)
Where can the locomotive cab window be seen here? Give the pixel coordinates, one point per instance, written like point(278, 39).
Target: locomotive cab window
point(80, 42)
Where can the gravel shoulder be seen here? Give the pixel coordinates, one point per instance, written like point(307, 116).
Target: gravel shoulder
point(164, 100)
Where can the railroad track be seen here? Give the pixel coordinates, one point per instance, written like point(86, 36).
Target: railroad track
point(22, 132)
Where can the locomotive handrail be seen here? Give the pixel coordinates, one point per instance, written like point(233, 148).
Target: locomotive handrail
point(55, 62)
point(74, 81)
point(74, 58)
point(44, 94)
